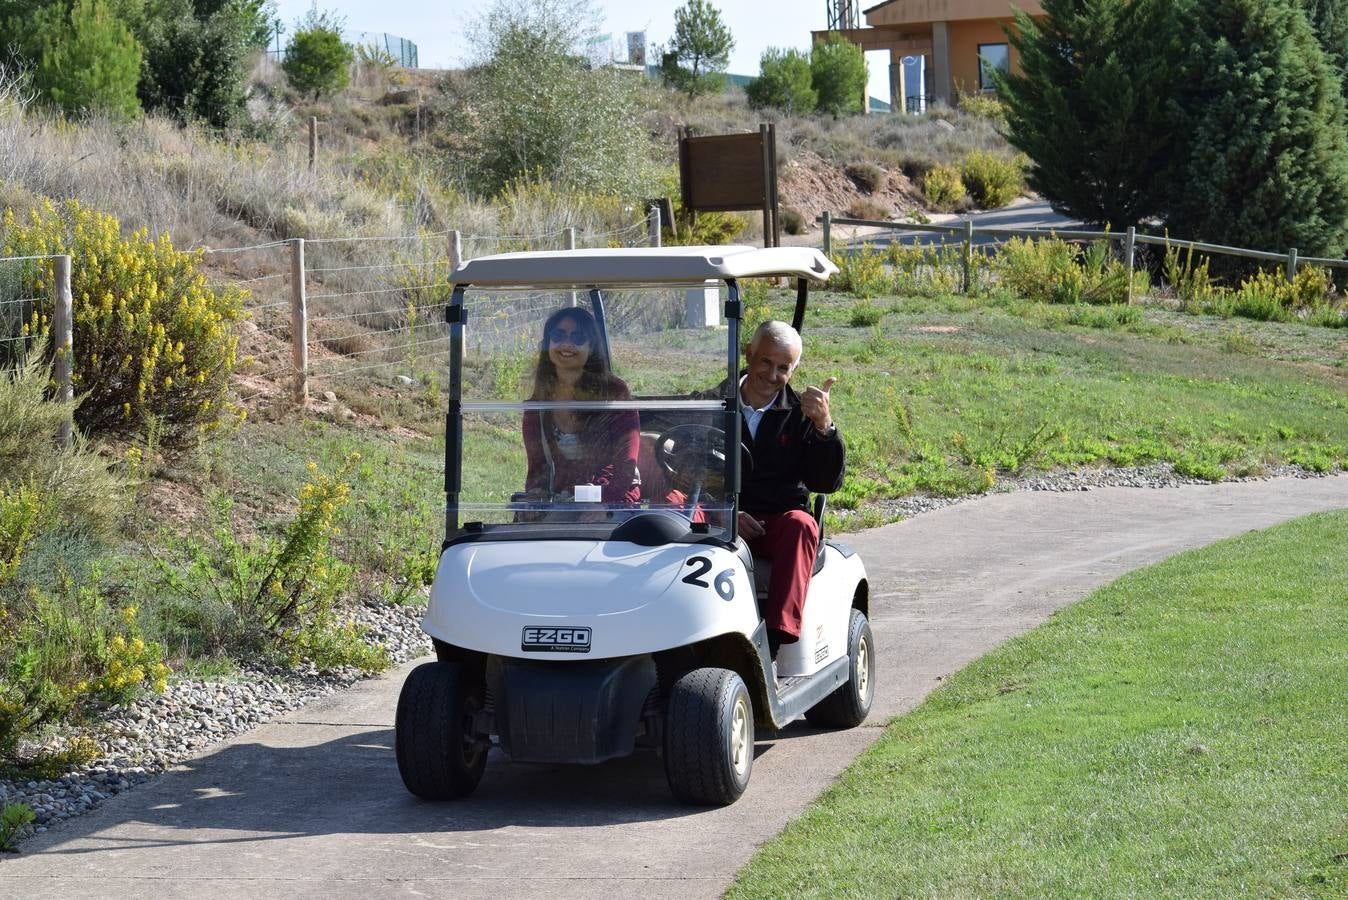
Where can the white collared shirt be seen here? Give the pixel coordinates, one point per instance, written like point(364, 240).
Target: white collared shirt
point(753, 416)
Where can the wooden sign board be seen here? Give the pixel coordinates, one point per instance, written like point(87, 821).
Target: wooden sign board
point(725, 172)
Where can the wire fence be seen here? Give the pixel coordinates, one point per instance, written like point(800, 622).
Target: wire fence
point(326, 310)
point(966, 235)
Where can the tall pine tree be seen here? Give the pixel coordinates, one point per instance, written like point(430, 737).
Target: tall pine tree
point(1263, 125)
point(90, 61)
point(1091, 105)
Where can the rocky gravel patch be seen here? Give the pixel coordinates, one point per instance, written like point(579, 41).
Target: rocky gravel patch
point(157, 731)
point(142, 739)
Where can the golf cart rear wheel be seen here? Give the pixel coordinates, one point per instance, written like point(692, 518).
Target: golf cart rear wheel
point(440, 757)
point(848, 706)
point(709, 737)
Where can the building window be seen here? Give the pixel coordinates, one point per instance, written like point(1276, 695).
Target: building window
point(990, 57)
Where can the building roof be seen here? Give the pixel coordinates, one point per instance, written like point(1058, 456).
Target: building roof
point(642, 265)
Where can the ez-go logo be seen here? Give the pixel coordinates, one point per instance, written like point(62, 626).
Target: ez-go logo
point(540, 639)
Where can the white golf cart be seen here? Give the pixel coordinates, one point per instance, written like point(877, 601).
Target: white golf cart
point(573, 628)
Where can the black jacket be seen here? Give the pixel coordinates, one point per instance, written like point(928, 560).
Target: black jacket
point(791, 459)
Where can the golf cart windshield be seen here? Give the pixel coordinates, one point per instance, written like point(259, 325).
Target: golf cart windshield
point(583, 408)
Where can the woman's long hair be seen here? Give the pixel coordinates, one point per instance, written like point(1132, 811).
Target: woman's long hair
point(596, 380)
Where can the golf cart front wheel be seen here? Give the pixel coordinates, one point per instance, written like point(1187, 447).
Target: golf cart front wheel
point(848, 706)
point(709, 737)
point(440, 757)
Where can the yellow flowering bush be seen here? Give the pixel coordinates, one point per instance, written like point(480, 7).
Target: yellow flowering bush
point(151, 338)
point(281, 595)
point(64, 648)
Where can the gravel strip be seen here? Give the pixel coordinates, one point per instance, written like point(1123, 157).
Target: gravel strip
point(142, 739)
point(158, 731)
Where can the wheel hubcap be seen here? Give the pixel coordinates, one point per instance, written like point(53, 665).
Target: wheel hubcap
point(863, 669)
point(741, 745)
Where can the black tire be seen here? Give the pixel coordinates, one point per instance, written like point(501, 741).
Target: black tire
point(848, 706)
point(439, 755)
point(709, 737)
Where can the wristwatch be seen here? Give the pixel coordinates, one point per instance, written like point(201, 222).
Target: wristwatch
point(832, 430)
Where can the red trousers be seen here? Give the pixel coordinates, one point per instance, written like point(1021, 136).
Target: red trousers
point(791, 542)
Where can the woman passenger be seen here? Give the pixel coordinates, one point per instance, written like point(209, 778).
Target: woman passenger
point(566, 448)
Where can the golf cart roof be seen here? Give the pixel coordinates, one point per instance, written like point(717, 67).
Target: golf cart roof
point(642, 265)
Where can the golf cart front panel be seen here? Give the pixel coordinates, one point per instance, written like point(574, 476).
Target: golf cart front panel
point(574, 600)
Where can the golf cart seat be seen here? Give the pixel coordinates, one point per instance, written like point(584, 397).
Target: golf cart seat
point(654, 486)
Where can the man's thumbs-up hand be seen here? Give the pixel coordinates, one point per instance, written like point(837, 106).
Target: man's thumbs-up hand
point(814, 404)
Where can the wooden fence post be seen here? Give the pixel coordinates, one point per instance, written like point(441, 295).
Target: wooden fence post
point(1292, 264)
point(63, 336)
point(569, 243)
point(455, 250)
point(968, 254)
point(828, 233)
point(653, 224)
point(299, 322)
point(1129, 246)
point(313, 142)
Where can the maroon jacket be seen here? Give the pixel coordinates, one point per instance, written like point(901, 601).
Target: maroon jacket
point(609, 441)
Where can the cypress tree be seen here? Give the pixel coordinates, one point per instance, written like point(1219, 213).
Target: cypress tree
point(1262, 115)
point(1091, 105)
point(1329, 21)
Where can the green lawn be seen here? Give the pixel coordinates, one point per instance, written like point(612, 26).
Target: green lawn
point(1181, 732)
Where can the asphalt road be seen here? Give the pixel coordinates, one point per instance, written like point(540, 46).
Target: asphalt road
point(1035, 214)
point(312, 805)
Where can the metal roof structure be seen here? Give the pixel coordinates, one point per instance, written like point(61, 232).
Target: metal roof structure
point(642, 265)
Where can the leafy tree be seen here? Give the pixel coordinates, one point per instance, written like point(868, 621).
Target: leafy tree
point(1091, 106)
point(196, 56)
point(90, 62)
point(534, 108)
point(838, 73)
point(317, 59)
point(784, 82)
point(696, 57)
point(1265, 152)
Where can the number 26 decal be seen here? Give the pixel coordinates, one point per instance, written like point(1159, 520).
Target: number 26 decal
point(725, 581)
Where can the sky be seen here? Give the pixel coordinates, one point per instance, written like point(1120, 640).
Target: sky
point(437, 28)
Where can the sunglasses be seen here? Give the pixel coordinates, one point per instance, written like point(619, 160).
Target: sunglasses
point(579, 338)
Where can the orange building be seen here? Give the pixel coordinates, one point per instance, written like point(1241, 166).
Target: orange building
point(960, 40)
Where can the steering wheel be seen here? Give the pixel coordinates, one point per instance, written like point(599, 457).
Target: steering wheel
point(692, 450)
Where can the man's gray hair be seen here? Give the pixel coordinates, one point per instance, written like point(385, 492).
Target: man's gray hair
point(779, 333)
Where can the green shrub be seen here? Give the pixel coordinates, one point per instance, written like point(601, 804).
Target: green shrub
point(993, 181)
point(1264, 296)
point(1045, 270)
point(1190, 279)
point(76, 481)
point(783, 82)
point(860, 272)
point(867, 176)
point(931, 269)
point(838, 73)
point(151, 340)
point(793, 220)
point(531, 110)
point(985, 106)
point(869, 208)
point(943, 186)
point(865, 314)
point(317, 60)
point(278, 595)
point(65, 648)
point(13, 820)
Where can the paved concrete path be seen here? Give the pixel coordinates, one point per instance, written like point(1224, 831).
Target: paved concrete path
point(312, 805)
